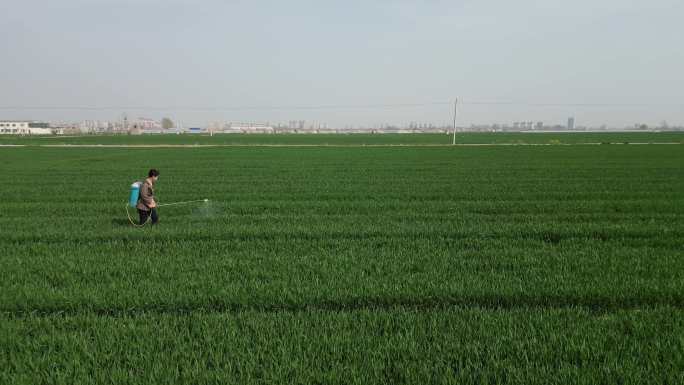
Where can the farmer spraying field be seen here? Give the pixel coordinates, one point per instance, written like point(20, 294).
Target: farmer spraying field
point(142, 198)
point(147, 206)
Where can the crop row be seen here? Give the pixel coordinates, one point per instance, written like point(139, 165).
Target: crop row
point(354, 139)
point(441, 346)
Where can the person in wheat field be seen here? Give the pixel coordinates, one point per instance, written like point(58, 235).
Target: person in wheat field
point(147, 206)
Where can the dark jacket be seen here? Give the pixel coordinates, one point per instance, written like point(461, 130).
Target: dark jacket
point(146, 199)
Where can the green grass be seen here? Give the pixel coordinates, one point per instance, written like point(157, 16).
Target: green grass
point(530, 346)
point(558, 264)
point(355, 139)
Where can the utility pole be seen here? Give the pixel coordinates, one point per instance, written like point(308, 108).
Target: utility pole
point(455, 107)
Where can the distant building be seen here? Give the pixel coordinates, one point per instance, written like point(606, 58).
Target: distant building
point(249, 128)
point(571, 123)
point(237, 128)
point(24, 127)
point(147, 124)
point(95, 126)
point(143, 125)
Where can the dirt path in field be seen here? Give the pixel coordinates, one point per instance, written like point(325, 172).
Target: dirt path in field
point(324, 145)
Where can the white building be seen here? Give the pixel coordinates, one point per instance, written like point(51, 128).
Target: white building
point(95, 126)
point(24, 127)
point(238, 127)
point(250, 128)
point(147, 124)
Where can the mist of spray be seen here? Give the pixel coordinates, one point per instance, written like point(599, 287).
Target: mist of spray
point(207, 210)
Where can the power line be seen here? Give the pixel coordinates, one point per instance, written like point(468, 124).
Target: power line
point(542, 104)
point(222, 108)
point(332, 106)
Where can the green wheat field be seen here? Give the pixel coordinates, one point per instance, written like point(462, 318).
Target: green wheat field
point(350, 264)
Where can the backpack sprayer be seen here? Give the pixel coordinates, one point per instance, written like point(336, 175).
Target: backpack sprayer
point(135, 195)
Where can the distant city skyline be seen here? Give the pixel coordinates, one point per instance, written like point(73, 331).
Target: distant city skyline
point(106, 114)
point(614, 63)
point(140, 125)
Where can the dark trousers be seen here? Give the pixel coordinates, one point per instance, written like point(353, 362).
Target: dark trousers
point(145, 214)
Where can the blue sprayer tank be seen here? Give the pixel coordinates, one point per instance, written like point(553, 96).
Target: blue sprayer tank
point(135, 193)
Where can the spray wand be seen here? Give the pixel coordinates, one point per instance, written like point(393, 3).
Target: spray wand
point(183, 203)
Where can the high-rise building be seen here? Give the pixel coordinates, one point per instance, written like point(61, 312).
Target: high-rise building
point(571, 123)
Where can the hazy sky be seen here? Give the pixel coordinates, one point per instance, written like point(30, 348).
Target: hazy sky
point(199, 61)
